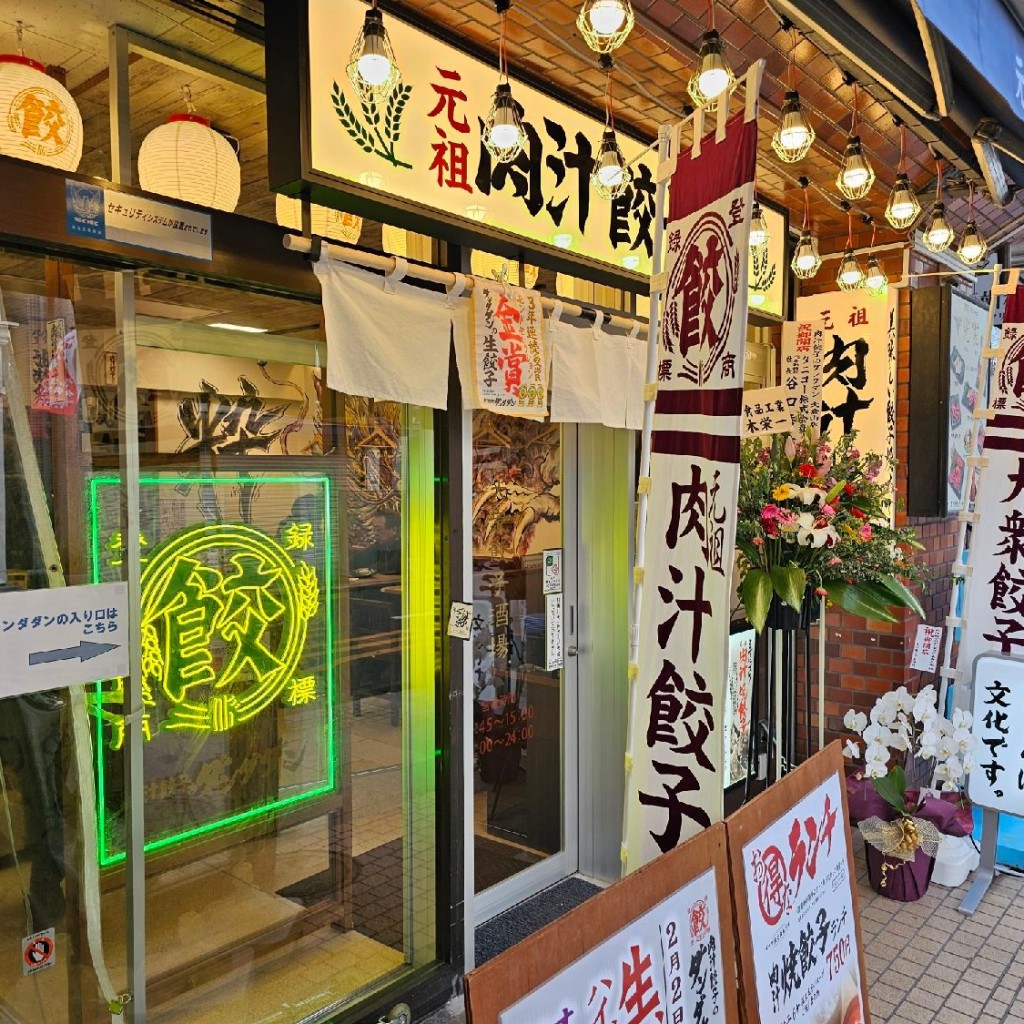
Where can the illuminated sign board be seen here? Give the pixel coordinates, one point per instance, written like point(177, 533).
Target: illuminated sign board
point(237, 639)
point(419, 150)
point(768, 273)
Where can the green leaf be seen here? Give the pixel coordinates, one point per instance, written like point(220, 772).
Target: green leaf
point(855, 599)
point(835, 492)
point(749, 551)
point(789, 582)
point(892, 788)
point(756, 594)
point(904, 597)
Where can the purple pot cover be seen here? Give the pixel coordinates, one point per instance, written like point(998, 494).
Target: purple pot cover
point(905, 881)
point(864, 801)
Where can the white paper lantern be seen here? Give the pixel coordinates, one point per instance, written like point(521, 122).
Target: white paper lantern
point(327, 223)
point(39, 119)
point(187, 160)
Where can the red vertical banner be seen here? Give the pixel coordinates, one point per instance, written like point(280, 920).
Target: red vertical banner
point(678, 720)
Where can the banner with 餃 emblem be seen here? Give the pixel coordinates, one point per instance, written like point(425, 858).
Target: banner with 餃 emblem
point(509, 351)
point(994, 606)
point(678, 715)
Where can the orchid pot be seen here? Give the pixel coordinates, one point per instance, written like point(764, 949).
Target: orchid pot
point(903, 828)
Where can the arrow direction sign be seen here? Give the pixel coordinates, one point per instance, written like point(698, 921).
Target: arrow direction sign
point(84, 652)
point(62, 637)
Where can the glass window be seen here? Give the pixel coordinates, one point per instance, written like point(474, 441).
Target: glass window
point(289, 649)
point(517, 711)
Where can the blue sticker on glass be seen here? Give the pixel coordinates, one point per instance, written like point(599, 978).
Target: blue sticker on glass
point(84, 204)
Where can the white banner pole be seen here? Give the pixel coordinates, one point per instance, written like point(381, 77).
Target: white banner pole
point(650, 392)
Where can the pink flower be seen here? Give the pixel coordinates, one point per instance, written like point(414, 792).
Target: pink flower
point(764, 456)
point(824, 451)
point(758, 542)
point(821, 591)
point(835, 561)
point(854, 453)
point(828, 510)
point(865, 532)
point(770, 513)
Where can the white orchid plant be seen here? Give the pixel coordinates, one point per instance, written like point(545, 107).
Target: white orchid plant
point(902, 723)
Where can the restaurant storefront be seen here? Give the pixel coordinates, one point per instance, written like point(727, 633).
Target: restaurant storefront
point(315, 784)
point(305, 795)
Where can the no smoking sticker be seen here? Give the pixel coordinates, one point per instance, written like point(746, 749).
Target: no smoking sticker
point(38, 951)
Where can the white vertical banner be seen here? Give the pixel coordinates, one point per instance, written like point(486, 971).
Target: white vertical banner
point(993, 611)
point(803, 343)
point(678, 714)
point(858, 366)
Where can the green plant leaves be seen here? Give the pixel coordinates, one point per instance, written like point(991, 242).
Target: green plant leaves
point(756, 592)
point(789, 582)
point(901, 594)
point(892, 788)
point(858, 600)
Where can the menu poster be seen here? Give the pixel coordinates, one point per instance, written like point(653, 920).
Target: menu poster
point(509, 351)
point(801, 956)
point(664, 966)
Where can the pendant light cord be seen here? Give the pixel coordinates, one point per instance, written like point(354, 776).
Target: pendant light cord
point(938, 179)
point(970, 202)
point(792, 58)
point(711, 14)
point(609, 107)
point(807, 207)
point(502, 54)
point(903, 149)
point(849, 229)
point(853, 118)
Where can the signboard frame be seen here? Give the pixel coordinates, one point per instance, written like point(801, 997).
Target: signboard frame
point(494, 987)
point(755, 818)
point(290, 162)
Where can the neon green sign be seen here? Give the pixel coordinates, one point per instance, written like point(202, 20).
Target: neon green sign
point(228, 613)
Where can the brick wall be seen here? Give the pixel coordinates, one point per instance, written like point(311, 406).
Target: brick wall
point(864, 659)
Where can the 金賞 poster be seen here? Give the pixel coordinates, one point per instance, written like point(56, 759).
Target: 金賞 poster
point(509, 351)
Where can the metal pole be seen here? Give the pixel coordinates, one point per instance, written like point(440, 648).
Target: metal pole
point(128, 449)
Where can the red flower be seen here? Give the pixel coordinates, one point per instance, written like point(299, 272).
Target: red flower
point(807, 470)
point(848, 488)
point(857, 512)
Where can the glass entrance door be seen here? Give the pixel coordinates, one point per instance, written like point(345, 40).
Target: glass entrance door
point(524, 692)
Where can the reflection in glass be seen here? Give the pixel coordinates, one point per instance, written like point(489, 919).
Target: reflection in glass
point(517, 721)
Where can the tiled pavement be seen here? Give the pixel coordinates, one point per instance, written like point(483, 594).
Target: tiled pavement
point(927, 963)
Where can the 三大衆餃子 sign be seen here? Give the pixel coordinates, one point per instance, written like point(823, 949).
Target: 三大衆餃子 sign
point(424, 143)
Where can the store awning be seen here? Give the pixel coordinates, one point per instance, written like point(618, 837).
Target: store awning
point(948, 67)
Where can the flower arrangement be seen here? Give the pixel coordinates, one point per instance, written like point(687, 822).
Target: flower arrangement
point(813, 515)
point(908, 728)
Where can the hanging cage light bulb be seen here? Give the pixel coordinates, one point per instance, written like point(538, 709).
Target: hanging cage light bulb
point(794, 137)
point(850, 276)
point(372, 67)
point(938, 235)
point(759, 233)
point(806, 260)
point(856, 176)
point(973, 245)
point(611, 176)
point(605, 24)
point(504, 136)
point(903, 207)
point(713, 77)
point(876, 280)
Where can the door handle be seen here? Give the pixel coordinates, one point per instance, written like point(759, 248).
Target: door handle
point(572, 651)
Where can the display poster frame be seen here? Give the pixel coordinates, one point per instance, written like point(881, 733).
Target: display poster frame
point(756, 819)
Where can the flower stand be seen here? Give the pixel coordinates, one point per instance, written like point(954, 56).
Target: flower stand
point(904, 881)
